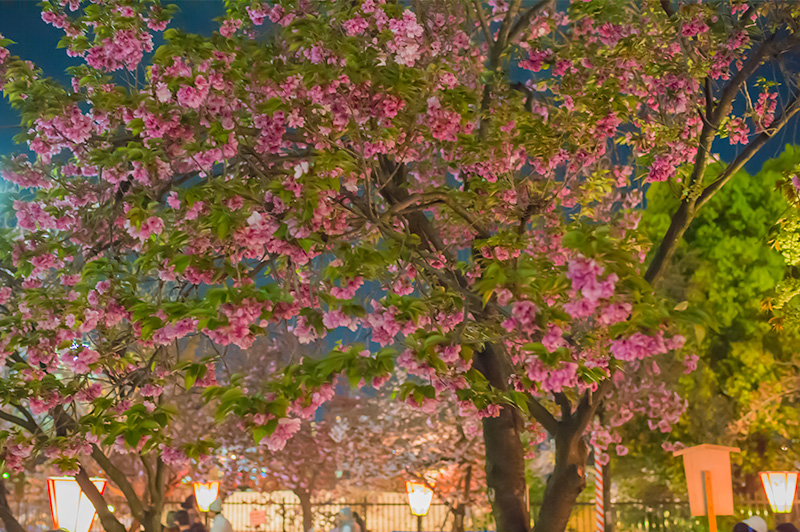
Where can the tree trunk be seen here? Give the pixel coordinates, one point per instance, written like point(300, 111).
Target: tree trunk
point(107, 519)
point(505, 470)
point(305, 505)
point(157, 484)
point(460, 510)
point(152, 521)
point(567, 481)
point(505, 456)
point(6, 515)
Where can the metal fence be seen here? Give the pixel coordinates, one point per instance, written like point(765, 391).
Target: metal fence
point(378, 517)
point(286, 516)
point(670, 516)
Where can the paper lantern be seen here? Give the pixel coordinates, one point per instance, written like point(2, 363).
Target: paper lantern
point(419, 497)
point(205, 493)
point(71, 508)
point(780, 487)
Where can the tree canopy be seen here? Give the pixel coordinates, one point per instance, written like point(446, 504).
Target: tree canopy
point(450, 188)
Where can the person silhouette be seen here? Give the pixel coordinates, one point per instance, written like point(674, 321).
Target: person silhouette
point(219, 522)
point(751, 524)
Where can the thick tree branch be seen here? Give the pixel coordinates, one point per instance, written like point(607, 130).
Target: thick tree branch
point(27, 413)
point(543, 416)
point(121, 480)
point(20, 422)
point(503, 33)
point(685, 213)
point(709, 96)
point(566, 406)
point(6, 515)
point(109, 521)
point(118, 477)
point(681, 219)
point(445, 198)
point(522, 23)
point(481, 14)
point(750, 150)
point(151, 477)
point(588, 405)
point(723, 107)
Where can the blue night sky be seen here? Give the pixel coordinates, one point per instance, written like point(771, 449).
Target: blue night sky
point(20, 21)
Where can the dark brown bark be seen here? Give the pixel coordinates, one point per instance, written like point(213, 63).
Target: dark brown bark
point(505, 463)
point(121, 481)
point(666, 249)
point(308, 512)
point(460, 509)
point(6, 515)
point(107, 519)
point(565, 483)
point(505, 456)
point(572, 452)
point(505, 470)
point(157, 483)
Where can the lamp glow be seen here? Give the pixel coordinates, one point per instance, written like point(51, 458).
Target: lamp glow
point(205, 493)
point(71, 508)
point(419, 497)
point(780, 487)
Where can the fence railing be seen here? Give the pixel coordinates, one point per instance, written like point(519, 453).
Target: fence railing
point(668, 516)
point(285, 516)
point(378, 517)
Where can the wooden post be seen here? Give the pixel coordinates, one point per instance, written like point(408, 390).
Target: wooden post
point(709, 499)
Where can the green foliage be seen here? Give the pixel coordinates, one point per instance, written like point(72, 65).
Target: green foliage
point(726, 267)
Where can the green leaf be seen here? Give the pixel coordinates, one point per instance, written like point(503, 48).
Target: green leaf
point(270, 106)
point(231, 395)
point(305, 243)
point(259, 433)
point(432, 340)
point(132, 438)
point(223, 227)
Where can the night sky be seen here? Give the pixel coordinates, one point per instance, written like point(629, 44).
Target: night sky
point(20, 21)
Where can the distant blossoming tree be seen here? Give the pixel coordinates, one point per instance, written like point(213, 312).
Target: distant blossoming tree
point(456, 183)
point(359, 443)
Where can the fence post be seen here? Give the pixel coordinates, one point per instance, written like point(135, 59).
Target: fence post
point(364, 517)
point(283, 516)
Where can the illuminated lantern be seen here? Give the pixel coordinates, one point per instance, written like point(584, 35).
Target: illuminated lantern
point(419, 497)
point(205, 493)
point(780, 487)
point(71, 508)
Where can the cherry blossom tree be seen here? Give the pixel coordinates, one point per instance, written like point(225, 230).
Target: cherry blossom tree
point(67, 432)
point(306, 465)
point(361, 444)
point(449, 188)
point(385, 443)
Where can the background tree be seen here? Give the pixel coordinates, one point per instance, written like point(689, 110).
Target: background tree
point(743, 392)
point(361, 445)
